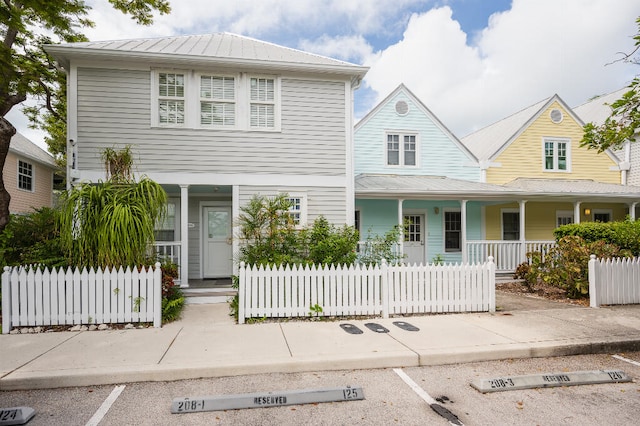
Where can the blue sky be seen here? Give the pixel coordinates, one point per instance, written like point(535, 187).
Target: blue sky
point(471, 62)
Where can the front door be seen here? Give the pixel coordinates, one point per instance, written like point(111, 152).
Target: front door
point(217, 250)
point(414, 239)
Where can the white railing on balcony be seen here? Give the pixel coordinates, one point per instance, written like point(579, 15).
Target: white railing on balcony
point(507, 254)
point(169, 251)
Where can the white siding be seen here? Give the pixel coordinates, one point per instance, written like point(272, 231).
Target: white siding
point(114, 108)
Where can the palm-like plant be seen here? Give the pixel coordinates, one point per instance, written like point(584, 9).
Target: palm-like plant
point(111, 223)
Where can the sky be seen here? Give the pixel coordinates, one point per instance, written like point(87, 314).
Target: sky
point(471, 62)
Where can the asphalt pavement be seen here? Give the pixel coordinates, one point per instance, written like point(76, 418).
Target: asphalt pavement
point(206, 342)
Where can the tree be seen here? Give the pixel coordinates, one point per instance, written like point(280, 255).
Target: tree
point(624, 122)
point(27, 71)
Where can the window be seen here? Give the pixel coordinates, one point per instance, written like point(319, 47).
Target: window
point(510, 226)
point(25, 175)
point(564, 217)
point(217, 101)
point(166, 228)
point(297, 211)
point(356, 222)
point(413, 228)
point(263, 103)
point(602, 215)
point(171, 99)
point(401, 150)
point(556, 155)
point(452, 231)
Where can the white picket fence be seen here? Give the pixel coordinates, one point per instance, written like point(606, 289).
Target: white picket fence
point(302, 291)
point(35, 297)
point(614, 281)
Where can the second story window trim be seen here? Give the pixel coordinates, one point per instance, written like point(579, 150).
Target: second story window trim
point(401, 149)
point(556, 155)
point(215, 100)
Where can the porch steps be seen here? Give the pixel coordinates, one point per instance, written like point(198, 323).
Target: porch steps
point(198, 296)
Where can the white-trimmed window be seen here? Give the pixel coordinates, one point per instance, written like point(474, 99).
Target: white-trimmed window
point(401, 149)
point(510, 224)
point(452, 230)
point(564, 217)
point(217, 100)
point(171, 99)
point(556, 153)
point(262, 106)
point(298, 209)
point(165, 229)
point(25, 176)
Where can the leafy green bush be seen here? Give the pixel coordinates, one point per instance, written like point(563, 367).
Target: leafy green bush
point(172, 297)
point(624, 234)
point(567, 264)
point(327, 244)
point(32, 239)
point(376, 248)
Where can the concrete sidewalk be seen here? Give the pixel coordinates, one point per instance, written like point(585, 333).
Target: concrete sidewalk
point(207, 343)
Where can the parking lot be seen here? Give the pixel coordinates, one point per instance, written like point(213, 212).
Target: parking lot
point(388, 398)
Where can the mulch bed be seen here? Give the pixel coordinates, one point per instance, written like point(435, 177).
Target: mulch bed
point(541, 290)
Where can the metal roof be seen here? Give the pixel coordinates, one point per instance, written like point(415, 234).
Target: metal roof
point(219, 47)
point(427, 187)
point(598, 109)
point(25, 148)
point(583, 188)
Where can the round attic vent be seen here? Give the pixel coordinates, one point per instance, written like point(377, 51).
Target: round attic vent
point(556, 115)
point(402, 107)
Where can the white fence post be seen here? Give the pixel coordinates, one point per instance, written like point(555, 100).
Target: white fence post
point(242, 288)
point(492, 284)
point(157, 293)
point(593, 284)
point(384, 284)
point(6, 301)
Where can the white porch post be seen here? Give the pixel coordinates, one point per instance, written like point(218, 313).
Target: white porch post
point(463, 229)
point(632, 211)
point(184, 235)
point(576, 212)
point(401, 224)
point(523, 237)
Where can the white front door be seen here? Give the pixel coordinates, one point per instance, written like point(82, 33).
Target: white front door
point(414, 238)
point(217, 251)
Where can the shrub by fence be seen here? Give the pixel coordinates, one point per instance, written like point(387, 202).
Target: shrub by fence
point(614, 281)
point(301, 291)
point(35, 297)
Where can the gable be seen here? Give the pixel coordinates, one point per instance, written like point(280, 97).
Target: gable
point(438, 151)
point(524, 155)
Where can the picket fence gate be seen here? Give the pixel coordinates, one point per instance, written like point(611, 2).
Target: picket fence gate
point(35, 297)
point(614, 281)
point(302, 291)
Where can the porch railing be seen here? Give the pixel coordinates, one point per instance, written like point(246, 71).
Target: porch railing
point(169, 251)
point(507, 254)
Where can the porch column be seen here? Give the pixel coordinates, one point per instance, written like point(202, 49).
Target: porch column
point(632, 211)
point(463, 229)
point(401, 224)
point(523, 237)
point(576, 212)
point(184, 235)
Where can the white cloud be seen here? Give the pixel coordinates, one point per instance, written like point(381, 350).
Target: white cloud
point(348, 48)
point(526, 54)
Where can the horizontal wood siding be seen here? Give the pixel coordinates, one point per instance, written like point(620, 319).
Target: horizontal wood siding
point(439, 155)
point(114, 108)
point(326, 201)
point(26, 201)
point(524, 156)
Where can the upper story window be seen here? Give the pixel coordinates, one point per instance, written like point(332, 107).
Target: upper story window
point(217, 101)
point(171, 98)
point(263, 103)
point(556, 155)
point(25, 175)
point(401, 149)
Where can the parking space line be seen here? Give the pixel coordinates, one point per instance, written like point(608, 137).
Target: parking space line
point(99, 415)
point(630, 361)
point(435, 406)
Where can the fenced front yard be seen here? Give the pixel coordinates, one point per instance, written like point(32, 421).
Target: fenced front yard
point(302, 291)
point(36, 297)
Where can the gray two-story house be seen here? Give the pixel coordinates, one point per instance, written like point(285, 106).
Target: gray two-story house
point(215, 119)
